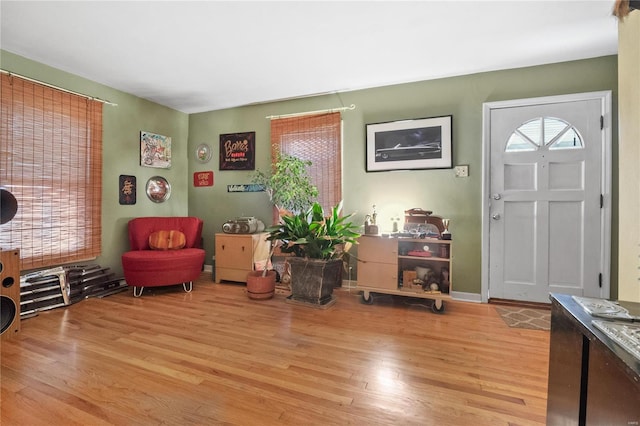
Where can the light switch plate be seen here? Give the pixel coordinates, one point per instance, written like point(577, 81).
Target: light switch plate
point(462, 171)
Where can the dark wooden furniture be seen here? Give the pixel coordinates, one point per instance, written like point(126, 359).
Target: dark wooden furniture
point(592, 380)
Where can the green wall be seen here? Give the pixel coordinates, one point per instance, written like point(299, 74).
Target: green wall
point(121, 146)
point(458, 199)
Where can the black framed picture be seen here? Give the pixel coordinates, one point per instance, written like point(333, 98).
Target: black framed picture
point(238, 151)
point(128, 190)
point(423, 143)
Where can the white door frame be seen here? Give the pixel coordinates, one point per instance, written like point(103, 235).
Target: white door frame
point(605, 231)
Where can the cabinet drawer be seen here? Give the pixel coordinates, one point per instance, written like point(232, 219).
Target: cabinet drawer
point(378, 249)
point(378, 275)
point(224, 274)
point(235, 251)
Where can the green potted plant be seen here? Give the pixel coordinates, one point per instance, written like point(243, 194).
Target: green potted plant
point(318, 244)
point(288, 185)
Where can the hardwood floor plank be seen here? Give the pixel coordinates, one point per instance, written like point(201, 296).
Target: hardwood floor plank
point(213, 356)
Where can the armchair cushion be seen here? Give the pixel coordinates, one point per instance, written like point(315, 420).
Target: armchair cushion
point(167, 240)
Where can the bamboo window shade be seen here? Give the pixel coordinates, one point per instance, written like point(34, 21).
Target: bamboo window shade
point(316, 138)
point(51, 160)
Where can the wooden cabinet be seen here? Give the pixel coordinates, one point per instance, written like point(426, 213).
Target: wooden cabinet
point(378, 262)
point(236, 255)
point(389, 265)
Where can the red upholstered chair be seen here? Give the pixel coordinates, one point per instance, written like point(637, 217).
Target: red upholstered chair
point(155, 265)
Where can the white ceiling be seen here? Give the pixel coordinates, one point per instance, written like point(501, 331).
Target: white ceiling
point(210, 55)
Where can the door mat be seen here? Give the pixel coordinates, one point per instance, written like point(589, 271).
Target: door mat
point(518, 317)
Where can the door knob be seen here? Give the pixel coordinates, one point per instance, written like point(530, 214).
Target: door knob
point(496, 196)
point(496, 216)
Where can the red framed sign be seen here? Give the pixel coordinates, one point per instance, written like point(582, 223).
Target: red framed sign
point(203, 179)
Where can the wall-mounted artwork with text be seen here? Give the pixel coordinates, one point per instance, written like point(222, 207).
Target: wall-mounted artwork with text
point(238, 151)
point(203, 179)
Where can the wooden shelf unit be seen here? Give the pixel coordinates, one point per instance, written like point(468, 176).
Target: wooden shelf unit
point(382, 262)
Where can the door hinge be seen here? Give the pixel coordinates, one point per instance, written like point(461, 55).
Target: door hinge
point(601, 201)
point(600, 280)
point(601, 122)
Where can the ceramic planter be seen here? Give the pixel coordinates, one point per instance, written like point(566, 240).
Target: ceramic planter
point(259, 287)
point(313, 280)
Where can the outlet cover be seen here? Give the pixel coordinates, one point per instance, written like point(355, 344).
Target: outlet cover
point(462, 171)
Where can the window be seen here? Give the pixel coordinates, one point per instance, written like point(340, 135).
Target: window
point(51, 160)
point(548, 132)
point(316, 138)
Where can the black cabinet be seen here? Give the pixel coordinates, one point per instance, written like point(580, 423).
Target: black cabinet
point(592, 380)
point(565, 370)
point(613, 394)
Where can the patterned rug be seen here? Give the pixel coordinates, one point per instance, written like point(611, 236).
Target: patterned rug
point(519, 317)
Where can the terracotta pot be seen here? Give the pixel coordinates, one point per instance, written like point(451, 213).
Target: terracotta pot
point(259, 287)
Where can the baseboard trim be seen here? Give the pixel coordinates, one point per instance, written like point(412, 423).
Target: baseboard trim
point(349, 284)
point(466, 297)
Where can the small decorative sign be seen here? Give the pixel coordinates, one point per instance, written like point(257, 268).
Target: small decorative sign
point(127, 190)
point(237, 151)
point(203, 179)
point(246, 187)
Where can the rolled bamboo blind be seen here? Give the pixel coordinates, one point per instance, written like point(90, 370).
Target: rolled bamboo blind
point(51, 160)
point(316, 138)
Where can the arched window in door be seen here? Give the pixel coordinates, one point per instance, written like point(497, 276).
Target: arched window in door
point(544, 133)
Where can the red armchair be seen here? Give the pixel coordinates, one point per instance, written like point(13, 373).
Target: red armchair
point(169, 258)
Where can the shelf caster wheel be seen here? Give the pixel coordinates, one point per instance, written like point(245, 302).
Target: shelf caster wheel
point(367, 298)
point(438, 306)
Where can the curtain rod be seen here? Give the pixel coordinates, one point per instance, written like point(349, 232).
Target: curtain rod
point(93, 98)
point(320, 111)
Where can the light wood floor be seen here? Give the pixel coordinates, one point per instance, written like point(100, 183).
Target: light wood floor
point(215, 357)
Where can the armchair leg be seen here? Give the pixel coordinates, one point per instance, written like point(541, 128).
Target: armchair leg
point(135, 292)
point(188, 286)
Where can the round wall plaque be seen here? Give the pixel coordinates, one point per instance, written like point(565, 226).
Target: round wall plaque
point(158, 189)
point(203, 153)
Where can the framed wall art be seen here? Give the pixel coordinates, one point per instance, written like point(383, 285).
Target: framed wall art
point(423, 143)
point(155, 150)
point(238, 151)
point(128, 190)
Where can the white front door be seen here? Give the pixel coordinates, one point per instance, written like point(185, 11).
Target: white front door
point(546, 189)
